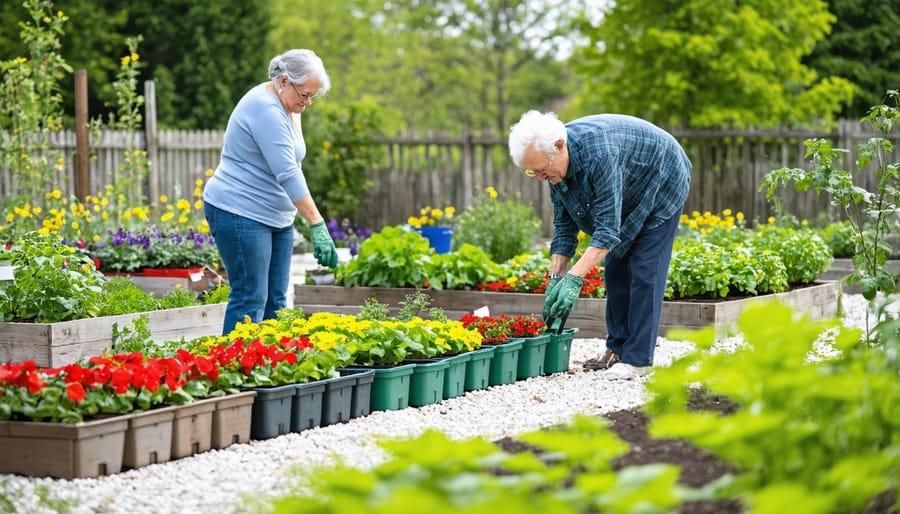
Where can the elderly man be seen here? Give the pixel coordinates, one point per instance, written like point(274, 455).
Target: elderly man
point(623, 181)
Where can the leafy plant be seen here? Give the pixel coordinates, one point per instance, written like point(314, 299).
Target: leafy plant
point(122, 296)
point(840, 238)
point(478, 225)
point(219, 294)
point(870, 212)
point(177, 298)
point(342, 150)
point(804, 254)
point(373, 310)
point(464, 268)
point(819, 429)
point(392, 257)
point(53, 282)
point(134, 338)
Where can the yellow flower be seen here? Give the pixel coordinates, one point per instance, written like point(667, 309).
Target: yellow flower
point(726, 212)
point(199, 182)
point(166, 217)
point(126, 60)
point(209, 172)
point(771, 220)
point(739, 216)
point(198, 204)
point(163, 199)
point(491, 192)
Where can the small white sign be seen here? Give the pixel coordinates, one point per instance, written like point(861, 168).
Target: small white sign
point(482, 312)
point(7, 272)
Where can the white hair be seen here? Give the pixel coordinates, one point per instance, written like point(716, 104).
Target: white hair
point(299, 65)
point(535, 128)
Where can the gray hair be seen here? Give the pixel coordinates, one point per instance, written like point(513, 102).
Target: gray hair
point(534, 128)
point(299, 65)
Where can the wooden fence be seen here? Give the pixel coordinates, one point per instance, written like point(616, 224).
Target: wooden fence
point(729, 167)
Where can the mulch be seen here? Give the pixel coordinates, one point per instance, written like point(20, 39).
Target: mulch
point(698, 467)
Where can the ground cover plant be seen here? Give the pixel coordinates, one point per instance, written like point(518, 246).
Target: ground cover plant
point(775, 426)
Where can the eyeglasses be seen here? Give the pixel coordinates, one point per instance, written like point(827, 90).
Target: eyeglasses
point(306, 97)
point(542, 171)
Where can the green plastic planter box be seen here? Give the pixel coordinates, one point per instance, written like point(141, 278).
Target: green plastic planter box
point(390, 389)
point(558, 351)
point(271, 416)
point(306, 411)
point(455, 375)
point(338, 399)
point(478, 369)
point(531, 356)
point(427, 383)
point(361, 401)
point(505, 364)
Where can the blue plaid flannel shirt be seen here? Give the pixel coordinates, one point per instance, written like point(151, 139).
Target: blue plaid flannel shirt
point(625, 175)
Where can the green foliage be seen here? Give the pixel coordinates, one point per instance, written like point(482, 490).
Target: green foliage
point(373, 310)
point(415, 304)
point(708, 64)
point(199, 88)
point(478, 225)
point(804, 254)
point(840, 238)
point(465, 268)
point(134, 338)
point(53, 282)
point(819, 429)
point(701, 268)
point(390, 258)
point(341, 151)
point(433, 473)
point(177, 298)
point(869, 212)
point(122, 296)
point(451, 78)
point(30, 102)
point(218, 294)
point(863, 47)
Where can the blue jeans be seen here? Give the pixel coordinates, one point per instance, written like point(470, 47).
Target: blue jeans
point(635, 285)
point(257, 258)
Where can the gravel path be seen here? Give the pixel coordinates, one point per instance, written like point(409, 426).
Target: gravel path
point(217, 480)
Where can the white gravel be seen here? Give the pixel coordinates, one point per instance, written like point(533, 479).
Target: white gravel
point(216, 481)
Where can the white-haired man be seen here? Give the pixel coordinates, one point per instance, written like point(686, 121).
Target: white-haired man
point(623, 181)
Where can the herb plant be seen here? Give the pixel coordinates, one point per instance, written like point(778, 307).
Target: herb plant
point(53, 282)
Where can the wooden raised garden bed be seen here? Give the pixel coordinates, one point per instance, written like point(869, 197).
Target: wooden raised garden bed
point(819, 299)
point(57, 344)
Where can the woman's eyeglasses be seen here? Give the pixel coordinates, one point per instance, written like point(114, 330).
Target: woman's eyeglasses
point(306, 97)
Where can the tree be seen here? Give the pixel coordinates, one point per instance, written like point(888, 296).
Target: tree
point(204, 55)
point(434, 64)
point(709, 64)
point(864, 47)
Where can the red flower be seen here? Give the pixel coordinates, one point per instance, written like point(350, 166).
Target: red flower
point(75, 392)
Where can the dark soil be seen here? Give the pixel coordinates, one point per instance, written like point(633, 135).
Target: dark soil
point(698, 467)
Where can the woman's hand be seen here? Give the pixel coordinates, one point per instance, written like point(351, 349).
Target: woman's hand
point(323, 246)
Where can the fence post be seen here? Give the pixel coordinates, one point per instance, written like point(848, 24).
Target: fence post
point(151, 136)
point(82, 136)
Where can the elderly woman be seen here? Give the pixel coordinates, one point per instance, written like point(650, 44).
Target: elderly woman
point(258, 188)
point(623, 181)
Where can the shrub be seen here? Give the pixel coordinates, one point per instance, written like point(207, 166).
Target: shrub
point(503, 229)
point(840, 238)
point(341, 150)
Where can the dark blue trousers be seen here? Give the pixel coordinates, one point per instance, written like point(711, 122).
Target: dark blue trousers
point(635, 284)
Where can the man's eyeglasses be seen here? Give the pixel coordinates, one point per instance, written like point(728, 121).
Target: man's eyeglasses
point(306, 97)
point(542, 171)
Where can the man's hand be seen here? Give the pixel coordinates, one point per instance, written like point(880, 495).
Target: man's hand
point(552, 281)
point(563, 297)
point(323, 246)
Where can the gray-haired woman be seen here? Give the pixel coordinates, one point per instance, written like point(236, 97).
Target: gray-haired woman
point(258, 188)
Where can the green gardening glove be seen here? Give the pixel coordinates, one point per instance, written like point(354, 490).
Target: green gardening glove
point(552, 281)
point(565, 295)
point(323, 246)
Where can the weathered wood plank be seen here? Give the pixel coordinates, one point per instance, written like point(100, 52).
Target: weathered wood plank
point(56, 344)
